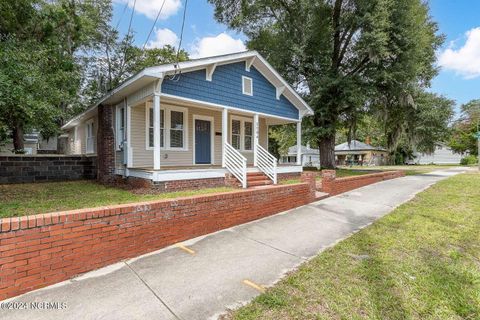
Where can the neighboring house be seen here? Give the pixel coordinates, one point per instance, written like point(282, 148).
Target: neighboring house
point(442, 155)
point(310, 157)
point(360, 153)
point(33, 143)
point(30, 145)
point(190, 124)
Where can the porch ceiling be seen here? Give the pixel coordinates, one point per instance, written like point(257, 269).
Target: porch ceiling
point(272, 119)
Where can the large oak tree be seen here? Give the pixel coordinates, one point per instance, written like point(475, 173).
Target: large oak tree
point(343, 54)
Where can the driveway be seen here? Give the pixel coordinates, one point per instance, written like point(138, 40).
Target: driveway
point(203, 277)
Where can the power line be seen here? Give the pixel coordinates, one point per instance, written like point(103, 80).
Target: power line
point(180, 44)
point(153, 26)
point(131, 18)
point(121, 16)
point(181, 32)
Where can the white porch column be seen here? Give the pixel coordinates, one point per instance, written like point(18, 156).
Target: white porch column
point(156, 131)
point(299, 142)
point(255, 138)
point(129, 137)
point(224, 133)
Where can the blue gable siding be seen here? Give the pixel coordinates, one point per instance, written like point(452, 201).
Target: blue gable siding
point(226, 89)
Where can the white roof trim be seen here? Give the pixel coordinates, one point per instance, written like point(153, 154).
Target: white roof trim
point(250, 58)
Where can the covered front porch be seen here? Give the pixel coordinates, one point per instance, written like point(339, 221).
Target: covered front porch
point(171, 138)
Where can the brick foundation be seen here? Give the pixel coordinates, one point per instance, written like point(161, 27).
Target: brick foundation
point(287, 176)
point(46, 168)
point(194, 184)
point(333, 185)
point(36, 251)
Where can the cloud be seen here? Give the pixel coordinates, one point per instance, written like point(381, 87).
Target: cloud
point(465, 60)
point(150, 8)
point(213, 46)
point(162, 37)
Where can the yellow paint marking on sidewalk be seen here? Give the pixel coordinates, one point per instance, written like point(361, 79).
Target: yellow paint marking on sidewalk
point(254, 285)
point(181, 246)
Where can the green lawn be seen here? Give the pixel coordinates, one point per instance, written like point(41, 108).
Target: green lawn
point(420, 262)
point(349, 172)
point(409, 170)
point(26, 199)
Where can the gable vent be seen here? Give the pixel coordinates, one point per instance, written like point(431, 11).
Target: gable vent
point(247, 86)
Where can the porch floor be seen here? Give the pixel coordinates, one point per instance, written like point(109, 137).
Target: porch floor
point(200, 167)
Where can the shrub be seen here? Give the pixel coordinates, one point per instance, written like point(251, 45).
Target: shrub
point(469, 160)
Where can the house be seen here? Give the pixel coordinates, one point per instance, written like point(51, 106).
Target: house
point(192, 124)
point(442, 155)
point(309, 157)
point(33, 143)
point(357, 152)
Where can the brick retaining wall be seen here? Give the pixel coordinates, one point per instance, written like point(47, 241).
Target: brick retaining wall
point(41, 168)
point(36, 251)
point(333, 185)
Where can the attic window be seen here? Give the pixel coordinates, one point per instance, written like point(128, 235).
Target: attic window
point(247, 86)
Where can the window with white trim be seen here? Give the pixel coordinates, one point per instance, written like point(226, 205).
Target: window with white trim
point(120, 126)
point(90, 138)
point(173, 133)
point(150, 128)
point(176, 129)
point(247, 86)
point(242, 134)
point(247, 144)
point(236, 134)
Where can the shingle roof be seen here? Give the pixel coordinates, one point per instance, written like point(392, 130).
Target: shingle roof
point(356, 145)
point(305, 150)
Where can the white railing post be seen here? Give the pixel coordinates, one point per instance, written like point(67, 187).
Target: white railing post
point(275, 171)
point(129, 137)
point(224, 134)
point(156, 131)
point(255, 138)
point(299, 142)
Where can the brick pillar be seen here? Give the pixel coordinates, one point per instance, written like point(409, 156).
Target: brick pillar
point(309, 177)
point(105, 145)
point(328, 181)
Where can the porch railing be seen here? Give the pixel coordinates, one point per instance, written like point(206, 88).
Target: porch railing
point(266, 162)
point(236, 163)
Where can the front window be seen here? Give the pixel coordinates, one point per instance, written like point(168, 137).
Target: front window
point(120, 126)
point(236, 135)
point(150, 128)
point(242, 134)
point(248, 136)
point(172, 128)
point(176, 129)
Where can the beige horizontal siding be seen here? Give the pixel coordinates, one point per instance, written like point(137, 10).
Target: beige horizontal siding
point(143, 156)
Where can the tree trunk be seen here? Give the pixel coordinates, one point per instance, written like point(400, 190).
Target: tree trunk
point(326, 146)
point(17, 133)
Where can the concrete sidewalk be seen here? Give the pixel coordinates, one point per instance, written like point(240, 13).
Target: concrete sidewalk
point(209, 274)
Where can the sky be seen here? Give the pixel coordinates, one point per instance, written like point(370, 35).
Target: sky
point(458, 59)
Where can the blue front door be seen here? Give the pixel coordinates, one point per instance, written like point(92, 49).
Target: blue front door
point(203, 154)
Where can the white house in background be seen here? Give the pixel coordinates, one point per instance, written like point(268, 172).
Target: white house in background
point(310, 157)
point(442, 155)
point(359, 153)
point(200, 119)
